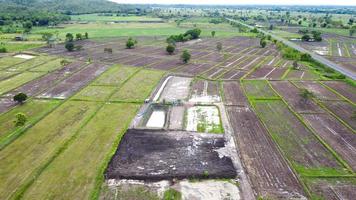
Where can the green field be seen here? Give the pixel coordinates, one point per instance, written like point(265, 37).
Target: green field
point(73, 175)
point(18, 80)
point(9, 61)
point(259, 89)
point(40, 143)
point(29, 64)
point(94, 93)
point(115, 76)
point(138, 87)
point(97, 17)
point(102, 30)
point(34, 110)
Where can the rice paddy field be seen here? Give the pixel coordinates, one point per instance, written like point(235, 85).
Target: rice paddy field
point(242, 117)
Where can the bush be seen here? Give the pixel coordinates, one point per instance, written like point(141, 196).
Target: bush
point(213, 33)
point(219, 46)
point(263, 43)
point(69, 46)
point(170, 49)
point(306, 57)
point(64, 62)
point(20, 97)
point(3, 50)
point(131, 43)
point(172, 194)
point(78, 36)
point(185, 56)
point(21, 119)
point(108, 50)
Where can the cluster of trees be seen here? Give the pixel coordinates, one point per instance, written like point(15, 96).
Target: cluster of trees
point(311, 35)
point(217, 20)
point(189, 35)
point(69, 43)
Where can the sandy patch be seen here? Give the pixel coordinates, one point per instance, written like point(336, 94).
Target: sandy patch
point(24, 56)
point(157, 119)
point(209, 190)
point(177, 88)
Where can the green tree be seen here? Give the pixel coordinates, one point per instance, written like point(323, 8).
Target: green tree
point(69, 37)
point(185, 56)
point(3, 50)
point(20, 97)
point(27, 26)
point(170, 49)
point(78, 36)
point(306, 37)
point(295, 65)
point(69, 46)
point(213, 33)
point(21, 119)
point(263, 43)
point(86, 35)
point(131, 43)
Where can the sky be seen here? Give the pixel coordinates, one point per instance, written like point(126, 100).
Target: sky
point(237, 2)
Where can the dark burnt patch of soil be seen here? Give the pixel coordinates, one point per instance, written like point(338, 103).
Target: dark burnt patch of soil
point(159, 155)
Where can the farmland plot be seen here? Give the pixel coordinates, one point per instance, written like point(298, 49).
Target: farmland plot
point(318, 90)
point(34, 62)
point(269, 173)
point(307, 155)
point(7, 62)
point(138, 88)
point(40, 144)
point(258, 89)
point(73, 174)
point(332, 188)
point(344, 110)
point(344, 89)
point(18, 80)
point(33, 109)
point(335, 134)
point(233, 94)
point(293, 96)
point(75, 82)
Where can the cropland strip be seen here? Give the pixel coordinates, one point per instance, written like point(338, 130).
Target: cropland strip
point(24, 157)
point(34, 110)
point(138, 88)
point(307, 155)
point(270, 175)
point(18, 80)
point(72, 175)
point(258, 89)
point(335, 134)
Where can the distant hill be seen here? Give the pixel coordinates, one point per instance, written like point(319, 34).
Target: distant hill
point(51, 12)
point(62, 6)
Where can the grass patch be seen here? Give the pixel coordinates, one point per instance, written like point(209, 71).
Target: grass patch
point(115, 76)
point(172, 194)
point(7, 62)
point(94, 93)
point(30, 63)
point(18, 80)
point(21, 160)
point(139, 86)
point(48, 66)
point(20, 46)
point(258, 89)
point(34, 110)
point(76, 169)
